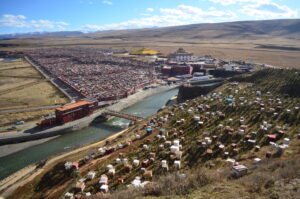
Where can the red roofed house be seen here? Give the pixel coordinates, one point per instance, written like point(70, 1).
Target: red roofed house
point(271, 137)
point(75, 165)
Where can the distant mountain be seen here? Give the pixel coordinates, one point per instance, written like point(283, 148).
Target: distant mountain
point(286, 28)
point(281, 28)
point(41, 34)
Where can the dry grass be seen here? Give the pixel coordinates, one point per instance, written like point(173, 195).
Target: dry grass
point(27, 88)
point(236, 49)
point(8, 118)
point(39, 94)
point(232, 52)
point(254, 185)
point(168, 185)
point(270, 180)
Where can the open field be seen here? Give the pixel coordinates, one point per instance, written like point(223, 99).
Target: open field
point(8, 119)
point(21, 86)
point(274, 42)
point(238, 51)
point(248, 50)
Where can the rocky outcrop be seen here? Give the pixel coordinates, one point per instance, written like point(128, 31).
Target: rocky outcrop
point(190, 92)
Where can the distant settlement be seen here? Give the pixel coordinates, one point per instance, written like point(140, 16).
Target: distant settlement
point(104, 76)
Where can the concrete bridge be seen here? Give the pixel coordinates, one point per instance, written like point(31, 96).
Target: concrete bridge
point(108, 112)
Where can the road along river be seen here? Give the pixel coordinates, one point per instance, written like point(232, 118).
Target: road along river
point(96, 132)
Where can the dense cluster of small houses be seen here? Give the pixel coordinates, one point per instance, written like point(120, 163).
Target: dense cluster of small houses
point(222, 125)
point(93, 72)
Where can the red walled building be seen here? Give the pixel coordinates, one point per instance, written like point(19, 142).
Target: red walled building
point(74, 111)
point(181, 70)
point(47, 122)
point(166, 70)
point(177, 70)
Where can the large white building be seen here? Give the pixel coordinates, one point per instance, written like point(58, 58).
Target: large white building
point(181, 56)
point(230, 67)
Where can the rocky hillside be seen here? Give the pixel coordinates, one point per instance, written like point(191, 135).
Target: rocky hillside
point(239, 141)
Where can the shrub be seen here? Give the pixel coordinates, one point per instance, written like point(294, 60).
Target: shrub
point(168, 185)
point(179, 184)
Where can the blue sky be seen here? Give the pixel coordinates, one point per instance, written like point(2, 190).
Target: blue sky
point(18, 16)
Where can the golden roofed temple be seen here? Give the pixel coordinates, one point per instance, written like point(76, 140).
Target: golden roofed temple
point(145, 51)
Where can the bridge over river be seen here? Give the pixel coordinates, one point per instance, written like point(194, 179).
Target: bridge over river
point(152, 101)
point(109, 112)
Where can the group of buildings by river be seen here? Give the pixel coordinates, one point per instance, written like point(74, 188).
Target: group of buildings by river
point(69, 112)
point(101, 78)
point(94, 73)
point(183, 64)
point(99, 75)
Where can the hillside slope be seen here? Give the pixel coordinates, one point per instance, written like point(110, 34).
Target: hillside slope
point(281, 28)
point(274, 42)
point(288, 28)
point(252, 122)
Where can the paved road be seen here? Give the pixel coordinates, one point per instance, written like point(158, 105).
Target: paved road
point(37, 108)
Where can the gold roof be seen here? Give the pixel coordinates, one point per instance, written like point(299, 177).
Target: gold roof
point(145, 51)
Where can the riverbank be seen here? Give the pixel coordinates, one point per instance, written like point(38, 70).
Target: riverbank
point(78, 124)
point(13, 148)
point(12, 182)
point(83, 137)
point(29, 135)
point(138, 96)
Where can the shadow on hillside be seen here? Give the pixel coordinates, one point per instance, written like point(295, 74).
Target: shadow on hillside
point(53, 178)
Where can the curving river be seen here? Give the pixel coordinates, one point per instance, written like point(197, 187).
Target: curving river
point(13, 162)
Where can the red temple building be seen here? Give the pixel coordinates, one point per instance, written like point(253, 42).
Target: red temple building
point(74, 111)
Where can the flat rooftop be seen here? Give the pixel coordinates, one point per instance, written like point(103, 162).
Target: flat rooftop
point(73, 105)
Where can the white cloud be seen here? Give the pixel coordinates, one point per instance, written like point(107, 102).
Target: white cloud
point(261, 9)
point(269, 11)
point(20, 21)
point(182, 14)
point(107, 2)
point(230, 2)
point(150, 9)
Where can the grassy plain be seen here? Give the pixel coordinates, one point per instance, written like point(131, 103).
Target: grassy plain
point(253, 50)
point(21, 86)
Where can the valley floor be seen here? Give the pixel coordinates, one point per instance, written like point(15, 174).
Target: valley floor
point(251, 120)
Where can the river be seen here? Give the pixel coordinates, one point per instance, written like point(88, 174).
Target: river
point(16, 161)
